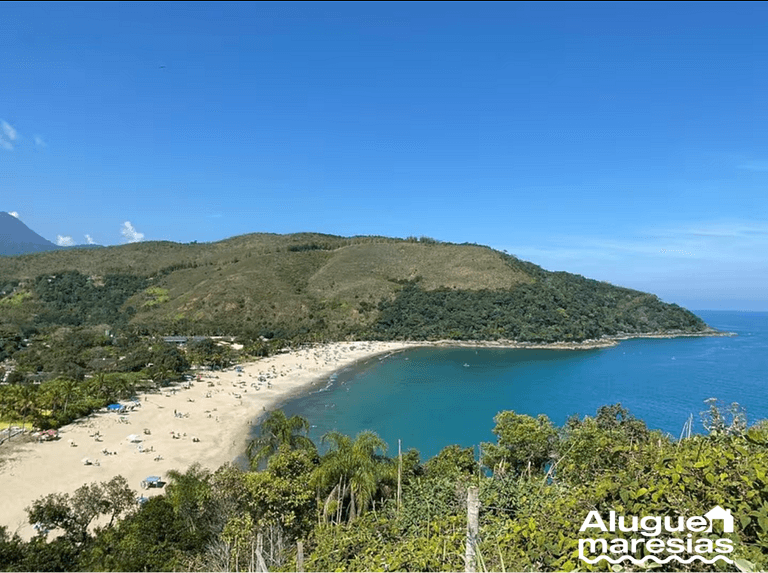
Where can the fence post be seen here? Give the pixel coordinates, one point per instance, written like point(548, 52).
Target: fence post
point(473, 510)
point(299, 557)
point(399, 473)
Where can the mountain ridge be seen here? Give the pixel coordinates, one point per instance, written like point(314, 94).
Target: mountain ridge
point(312, 286)
point(18, 239)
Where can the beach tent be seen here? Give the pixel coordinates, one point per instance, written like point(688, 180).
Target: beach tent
point(151, 481)
point(133, 438)
point(115, 408)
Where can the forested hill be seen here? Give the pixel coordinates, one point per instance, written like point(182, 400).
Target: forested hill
point(307, 286)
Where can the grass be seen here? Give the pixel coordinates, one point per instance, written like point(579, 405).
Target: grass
point(15, 300)
point(159, 296)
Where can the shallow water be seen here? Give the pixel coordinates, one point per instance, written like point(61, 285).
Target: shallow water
point(433, 397)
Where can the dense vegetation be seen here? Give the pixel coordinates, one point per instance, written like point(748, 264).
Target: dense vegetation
point(72, 372)
point(311, 287)
point(560, 307)
point(536, 485)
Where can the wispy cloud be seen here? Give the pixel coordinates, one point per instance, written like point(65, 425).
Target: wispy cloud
point(8, 135)
point(9, 131)
point(714, 245)
point(65, 241)
point(14, 214)
point(40, 142)
point(130, 233)
point(89, 240)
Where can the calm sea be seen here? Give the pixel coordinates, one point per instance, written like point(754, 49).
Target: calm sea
point(430, 398)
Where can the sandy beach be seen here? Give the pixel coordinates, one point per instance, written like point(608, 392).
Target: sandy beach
point(207, 420)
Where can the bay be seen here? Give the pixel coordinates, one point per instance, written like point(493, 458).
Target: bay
point(432, 397)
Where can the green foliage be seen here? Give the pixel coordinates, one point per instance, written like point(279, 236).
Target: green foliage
point(312, 287)
point(525, 444)
point(156, 296)
point(559, 307)
point(353, 475)
point(74, 514)
point(12, 551)
point(152, 539)
point(720, 420)
point(71, 298)
point(279, 431)
point(242, 520)
point(206, 352)
point(452, 461)
point(282, 496)
point(189, 494)
point(600, 445)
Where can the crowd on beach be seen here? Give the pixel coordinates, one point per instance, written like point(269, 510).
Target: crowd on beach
point(205, 419)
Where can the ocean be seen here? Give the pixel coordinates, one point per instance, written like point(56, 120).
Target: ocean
point(433, 397)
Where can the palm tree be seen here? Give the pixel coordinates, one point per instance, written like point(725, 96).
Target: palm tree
point(353, 470)
point(278, 430)
point(7, 403)
point(27, 400)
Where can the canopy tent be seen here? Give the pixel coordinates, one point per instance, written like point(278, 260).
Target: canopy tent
point(151, 481)
point(133, 438)
point(115, 407)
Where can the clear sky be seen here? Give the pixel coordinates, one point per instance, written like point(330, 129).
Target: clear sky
point(625, 142)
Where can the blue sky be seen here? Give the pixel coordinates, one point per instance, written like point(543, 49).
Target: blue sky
point(625, 142)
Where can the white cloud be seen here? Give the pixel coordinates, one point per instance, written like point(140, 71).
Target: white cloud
point(9, 131)
point(65, 241)
point(89, 240)
point(8, 135)
point(14, 214)
point(130, 233)
point(40, 142)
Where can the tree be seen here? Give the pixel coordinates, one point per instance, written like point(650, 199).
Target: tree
point(74, 514)
point(118, 498)
point(278, 430)
point(353, 471)
point(188, 494)
point(26, 401)
point(69, 387)
point(152, 539)
point(525, 444)
point(600, 444)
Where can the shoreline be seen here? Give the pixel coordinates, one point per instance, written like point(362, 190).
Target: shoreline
point(606, 341)
point(207, 421)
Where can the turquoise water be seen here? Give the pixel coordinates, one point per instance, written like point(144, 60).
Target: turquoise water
point(430, 397)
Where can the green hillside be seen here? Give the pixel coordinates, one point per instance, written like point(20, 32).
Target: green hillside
point(320, 287)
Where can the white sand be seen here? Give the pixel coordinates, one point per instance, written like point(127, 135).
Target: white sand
point(217, 410)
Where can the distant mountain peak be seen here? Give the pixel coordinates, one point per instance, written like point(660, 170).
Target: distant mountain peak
point(18, 239)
